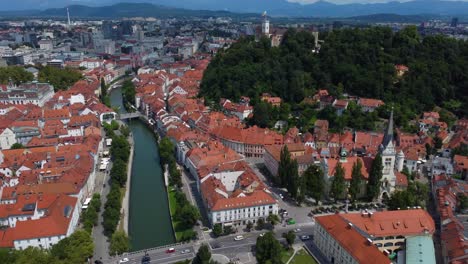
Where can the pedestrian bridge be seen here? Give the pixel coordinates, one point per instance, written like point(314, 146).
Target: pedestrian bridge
point(130, 115)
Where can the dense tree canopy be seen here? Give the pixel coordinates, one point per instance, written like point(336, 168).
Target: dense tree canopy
point(61, 79)
point(338, 186)
point(313, 182)
point(128, 93)
point(415, 195)
point(355, 61)
point(203, 255)
point(75, 249)
point(268, 249)
point(375, 176)
point(356, 181)
point(119, 243)
point(16, 74)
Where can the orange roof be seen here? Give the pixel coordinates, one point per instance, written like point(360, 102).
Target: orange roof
point(54, 223)
point(255, 199)
point(401, 179)
point(348, 166)
point(369, 102)
point(252, 135)
point(351, 240)
point(393, 223)
point(461, 162)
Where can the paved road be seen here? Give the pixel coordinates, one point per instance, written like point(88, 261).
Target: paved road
point(299, 213)
point(226, 246)
point(160, 256)
point(101, 244)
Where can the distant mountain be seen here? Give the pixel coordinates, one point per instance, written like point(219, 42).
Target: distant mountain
point(165, 8)
point(130, 10)
point(322, 8)
point(390, 18)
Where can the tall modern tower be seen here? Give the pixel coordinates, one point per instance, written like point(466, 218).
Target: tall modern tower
point(265, 25)
point(68, 16)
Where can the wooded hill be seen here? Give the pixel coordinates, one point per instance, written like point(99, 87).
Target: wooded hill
point(359, 62)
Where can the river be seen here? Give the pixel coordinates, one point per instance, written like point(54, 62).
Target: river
point(149, 220)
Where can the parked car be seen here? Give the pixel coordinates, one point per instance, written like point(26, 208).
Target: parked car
point(238, 238)
point(98, 262)
point(262, 234)
point(185, 251)
point(170, 250)
point(124, 260)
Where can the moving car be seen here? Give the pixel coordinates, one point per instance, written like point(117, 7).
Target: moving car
point(185, 251)
point(305, 237)
point(146, 259)
point(297, 230)
point(239, 238)
point(124, 260)
point(262, 234)
point(170, 250)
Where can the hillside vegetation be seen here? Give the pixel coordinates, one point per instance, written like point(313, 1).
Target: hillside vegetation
point(355, 61)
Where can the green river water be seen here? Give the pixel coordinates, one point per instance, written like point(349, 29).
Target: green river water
point(149, 219)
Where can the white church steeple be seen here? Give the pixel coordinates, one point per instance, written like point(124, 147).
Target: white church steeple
point(388, 153)
point(265, 24)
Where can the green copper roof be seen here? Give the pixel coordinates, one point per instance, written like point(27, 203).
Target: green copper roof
point(420, 249)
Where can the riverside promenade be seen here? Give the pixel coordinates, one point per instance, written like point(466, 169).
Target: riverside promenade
point(126, 199)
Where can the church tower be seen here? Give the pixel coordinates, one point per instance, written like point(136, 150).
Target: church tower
point(388, 153)
point(265, 25)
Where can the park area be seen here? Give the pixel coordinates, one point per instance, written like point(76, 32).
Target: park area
point(301, 257)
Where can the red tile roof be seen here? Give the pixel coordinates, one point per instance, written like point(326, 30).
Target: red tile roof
point(54, 223)
point(370, 103)
point(393, 223)
point(351, 240)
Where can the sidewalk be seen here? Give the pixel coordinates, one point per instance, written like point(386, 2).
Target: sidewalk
point(101, 244)
point(126, 199)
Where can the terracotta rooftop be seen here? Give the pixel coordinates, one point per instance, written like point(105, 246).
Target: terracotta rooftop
point(351, 240)
point(393, 223)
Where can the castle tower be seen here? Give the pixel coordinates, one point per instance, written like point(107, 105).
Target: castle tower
point(388, 153)
point(265, 25)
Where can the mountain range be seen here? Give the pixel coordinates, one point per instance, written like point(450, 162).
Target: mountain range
point(273, 7)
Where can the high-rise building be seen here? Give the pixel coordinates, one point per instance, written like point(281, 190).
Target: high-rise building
point(107, 28)
point(454, 22)
point(126, 26)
